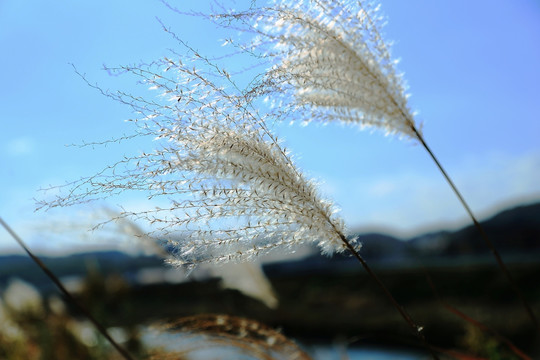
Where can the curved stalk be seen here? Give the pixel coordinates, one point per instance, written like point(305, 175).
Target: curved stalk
point(64, 291)
point(477, 224)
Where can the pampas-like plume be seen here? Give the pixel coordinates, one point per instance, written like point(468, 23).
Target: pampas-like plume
point(233, 190)
point(337, 64)
point(330, 56)
point(244, 176)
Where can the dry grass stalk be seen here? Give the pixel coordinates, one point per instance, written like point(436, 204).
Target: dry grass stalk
point(99, 327)
point(233, 190)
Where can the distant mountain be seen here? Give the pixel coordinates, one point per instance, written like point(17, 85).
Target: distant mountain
point(106, 262)
point(513, 231)
point(383, 248)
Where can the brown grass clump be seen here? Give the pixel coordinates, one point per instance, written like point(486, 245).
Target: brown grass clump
point(224, 332)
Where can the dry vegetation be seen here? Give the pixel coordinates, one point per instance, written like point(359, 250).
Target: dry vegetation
point(233, 189)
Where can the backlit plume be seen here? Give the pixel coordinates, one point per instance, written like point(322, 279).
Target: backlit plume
point(233, 190)
point(329, 55)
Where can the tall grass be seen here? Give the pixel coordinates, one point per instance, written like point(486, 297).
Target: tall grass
point(233, 190)
point(237, 193)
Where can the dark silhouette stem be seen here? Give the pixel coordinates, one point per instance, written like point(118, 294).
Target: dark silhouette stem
point(416, 329)
point(68, 296)
point(483, 234)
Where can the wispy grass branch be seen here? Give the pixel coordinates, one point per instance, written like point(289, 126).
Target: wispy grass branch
point(233, 189)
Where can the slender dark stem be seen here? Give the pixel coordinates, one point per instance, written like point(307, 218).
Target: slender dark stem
point(62, 289)
point(483, 234)
point(416, 329)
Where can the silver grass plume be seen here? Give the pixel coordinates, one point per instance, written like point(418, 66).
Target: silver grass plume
point(248, 196)
point(329, 55)
point(233, 190)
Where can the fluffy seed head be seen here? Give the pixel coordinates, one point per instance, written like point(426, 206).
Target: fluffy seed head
point(233, 190)
point(328, 62)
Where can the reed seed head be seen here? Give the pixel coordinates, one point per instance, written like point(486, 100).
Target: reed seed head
point(328, 61)
point(233, 190)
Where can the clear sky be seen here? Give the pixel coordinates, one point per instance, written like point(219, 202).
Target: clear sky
point(473, 68)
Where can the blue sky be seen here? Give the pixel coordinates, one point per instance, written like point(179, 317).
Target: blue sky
point(472, 67)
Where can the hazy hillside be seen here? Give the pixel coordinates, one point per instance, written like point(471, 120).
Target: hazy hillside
point(106, 262)
point(515, 232)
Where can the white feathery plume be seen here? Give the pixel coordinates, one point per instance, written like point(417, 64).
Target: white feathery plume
point(233, 190)
point(248, 196)
point(329, 55)
point(338, 66)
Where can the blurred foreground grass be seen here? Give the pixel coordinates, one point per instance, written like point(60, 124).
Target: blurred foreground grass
point(314, 307)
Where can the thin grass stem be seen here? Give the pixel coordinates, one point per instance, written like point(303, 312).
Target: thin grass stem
point(64, 291)
point(416, 328)
point(483, 233)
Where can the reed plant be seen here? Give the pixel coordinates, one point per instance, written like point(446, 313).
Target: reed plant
point(233, 188)
point(233, 191)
